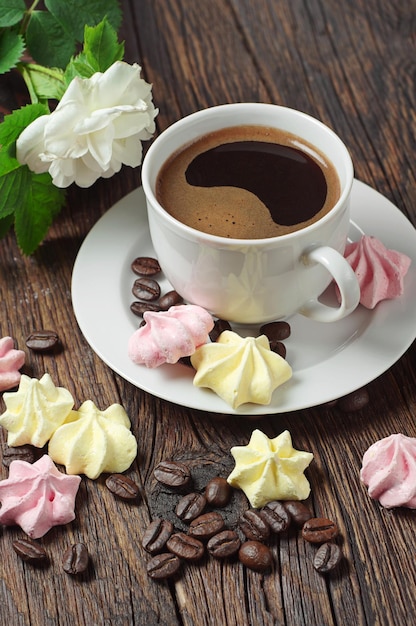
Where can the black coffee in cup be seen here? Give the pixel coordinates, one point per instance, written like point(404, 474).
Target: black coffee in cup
point(248, 182)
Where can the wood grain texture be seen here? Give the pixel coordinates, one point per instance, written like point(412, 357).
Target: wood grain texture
point(352, 65)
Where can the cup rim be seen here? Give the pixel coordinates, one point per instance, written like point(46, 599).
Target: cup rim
point(229, 241)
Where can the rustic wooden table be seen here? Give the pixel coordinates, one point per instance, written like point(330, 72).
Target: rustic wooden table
point(352, 65)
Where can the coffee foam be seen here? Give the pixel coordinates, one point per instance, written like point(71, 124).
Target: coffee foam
point(233, 212)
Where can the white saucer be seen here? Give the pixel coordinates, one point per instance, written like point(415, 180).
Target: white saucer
point(328, 360)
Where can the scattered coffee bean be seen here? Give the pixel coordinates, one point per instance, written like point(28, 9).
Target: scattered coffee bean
point(171, 298)
point(185, 547)
point(207, 525)
point(173, 474)
point(163, 566)
point(319, 530)
point(20, 453)
point(276, 516)
point(224, 544)
point(146, 289)
point(156, 535)
point(354, 401)
point(219, 327)
point(327, 557)
point(145, 266)
point(256, 556)
point(218, 492)
point(298, 512)
point(190, 506)
point(276, 331)
point(30, 551)
point(138, 308)
point(42, 340)
point(254, 526)
point(122, 486)
point(75, 559)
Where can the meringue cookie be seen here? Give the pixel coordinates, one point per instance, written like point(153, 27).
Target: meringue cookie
point(11, 361)
point(270, 469)
point(380, 272)
point(389, 471)
point(92, 441)
point(37, 496)
point(35, 411)
point(169, 335)
point(240, 369)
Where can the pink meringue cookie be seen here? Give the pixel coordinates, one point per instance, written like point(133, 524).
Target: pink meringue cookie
point(389, 471)
point(37, 496)
point(169, 335)
point(380, 272)
point(11, 361)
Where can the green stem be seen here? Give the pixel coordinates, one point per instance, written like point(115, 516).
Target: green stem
point(27, 16)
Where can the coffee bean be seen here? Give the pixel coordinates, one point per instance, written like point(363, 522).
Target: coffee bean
point(163, 566)
point(276, 516)
point(224, 544)
point(276, 331)
point(146, 289)
point(171, 298)
point(156, 535)
point(207, 525)
point(319, 530)
point(20, 453)
point(42, 340)
point(190, 506)
point(256, 556)
point(354, 401)
point(254, 526)
point(138, 308)
point(278, 347)
point(185, 547)
point(145, 266)
point(298, 512)
point(173, 474)
point(30, 551)
point(75, 559)
point(122, 486)
point(218, 492)
point(219, 327)
point(327, 557)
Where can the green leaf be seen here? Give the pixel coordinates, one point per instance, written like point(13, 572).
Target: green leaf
point(74, 14)
point(47, 41)
point(44, 83)
point(11, 49)
point(41, 203)
point(13, 187)
point(5, 224)
point(101, 46)
point(11, 12)
point(17, 121)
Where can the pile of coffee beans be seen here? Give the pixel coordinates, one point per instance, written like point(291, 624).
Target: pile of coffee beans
point(207, 533)
point(147, 290)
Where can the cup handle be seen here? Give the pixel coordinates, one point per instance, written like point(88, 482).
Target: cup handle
point(346, 280)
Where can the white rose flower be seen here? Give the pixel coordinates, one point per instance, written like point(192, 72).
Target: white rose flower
point(96, 128)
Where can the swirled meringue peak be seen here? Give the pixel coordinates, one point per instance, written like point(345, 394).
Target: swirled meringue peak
point(92, 441)
point(169, 335)
point(270, 469)
point(389, 471)
point(239, 369)
point(380, 272)
point(11, 360)
point(35, 411)
point(37, 496)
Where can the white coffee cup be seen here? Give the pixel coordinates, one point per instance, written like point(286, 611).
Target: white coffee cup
point(253, 281)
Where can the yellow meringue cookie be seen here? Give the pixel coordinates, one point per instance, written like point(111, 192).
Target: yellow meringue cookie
point(92, 441)
point(35, 411)
point(240, 369)
point(270, 469)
